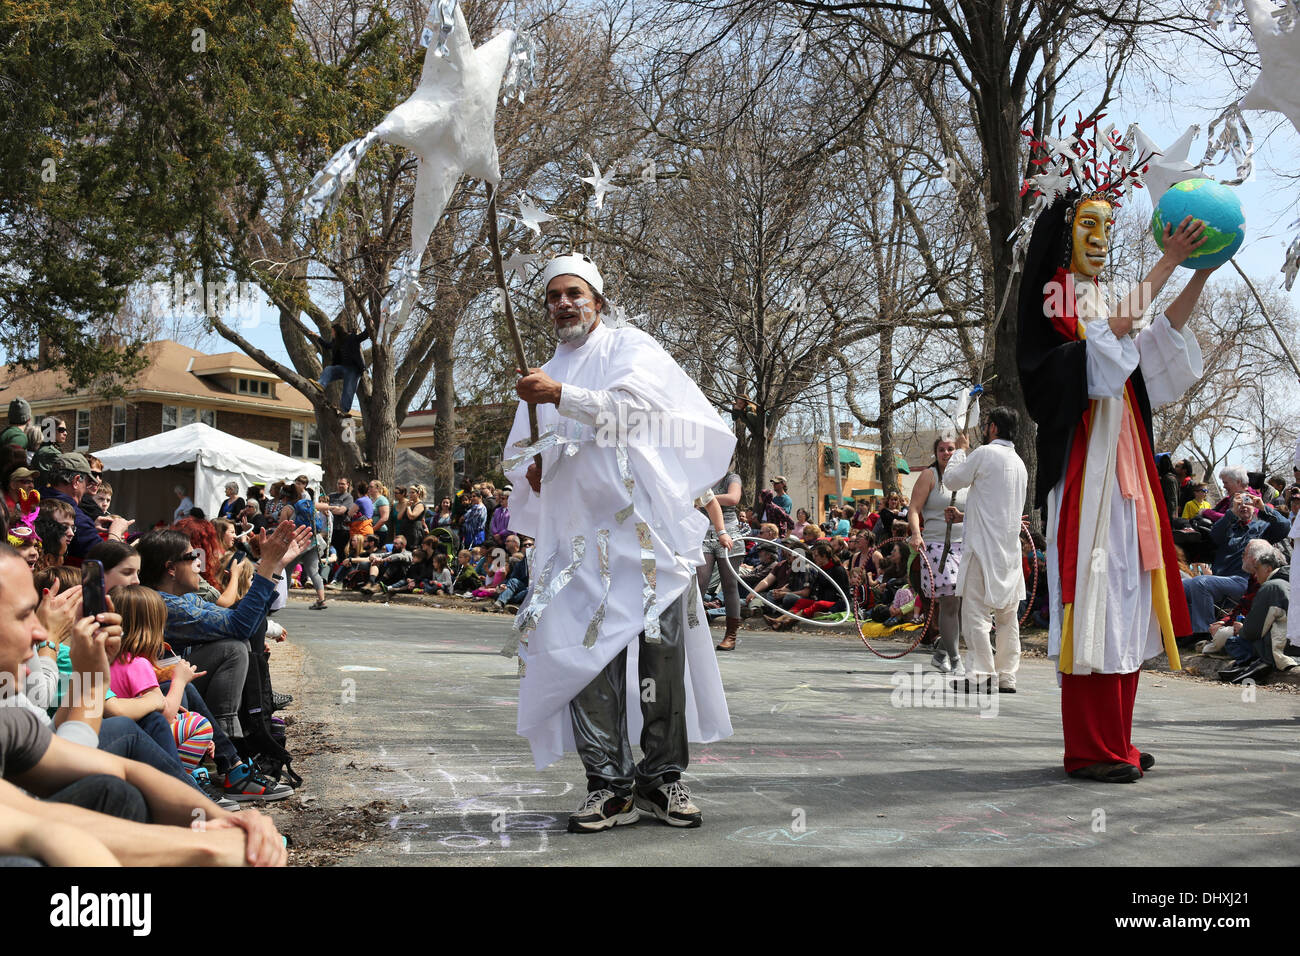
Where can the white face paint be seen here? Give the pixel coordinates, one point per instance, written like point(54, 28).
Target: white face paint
point(572, 308)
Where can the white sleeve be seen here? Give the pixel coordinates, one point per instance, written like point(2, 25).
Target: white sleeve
point(1111, 360)
point(589, 405)
point(960, 471)
point(1171, 361)
point(42, 684)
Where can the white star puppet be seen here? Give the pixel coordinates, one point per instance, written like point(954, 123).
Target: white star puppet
point(448, 122)
point(531, 216)
point(1168, 165)
point(519, 262)
point(600, 184)
point(1278, 85)
point(1051, 184)
point(1061, 147)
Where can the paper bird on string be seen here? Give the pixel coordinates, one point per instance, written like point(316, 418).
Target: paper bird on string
point(531, 216)
point(1168, 165)
point(519, 262)
point(448, 122)
point(1278, 85)
point(600, 184)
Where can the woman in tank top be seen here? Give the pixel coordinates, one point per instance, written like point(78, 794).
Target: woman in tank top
point(727, 492)
point(927, 521)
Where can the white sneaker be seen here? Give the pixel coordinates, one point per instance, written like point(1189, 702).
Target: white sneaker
point(602, 810)
point(672, 804)
point(940, 663)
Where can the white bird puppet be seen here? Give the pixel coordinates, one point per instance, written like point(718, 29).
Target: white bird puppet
point(449, 122)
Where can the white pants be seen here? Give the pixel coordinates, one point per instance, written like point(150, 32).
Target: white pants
point(977, 618)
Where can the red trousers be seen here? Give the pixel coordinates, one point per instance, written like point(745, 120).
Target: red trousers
point(806, 607)
point(1097, 717)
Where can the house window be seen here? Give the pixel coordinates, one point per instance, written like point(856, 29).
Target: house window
point(297, 431)
point(189, 416)
point(208, 417)
point(458, 465)
point(83, 428)
point(254, 386)
point(169, 418)
point(119, 425)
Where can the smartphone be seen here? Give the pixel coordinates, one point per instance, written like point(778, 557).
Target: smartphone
point(92, 588)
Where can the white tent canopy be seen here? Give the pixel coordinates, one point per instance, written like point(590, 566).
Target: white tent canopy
point(218, 458)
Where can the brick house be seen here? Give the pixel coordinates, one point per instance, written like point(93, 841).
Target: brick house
point(179, 386)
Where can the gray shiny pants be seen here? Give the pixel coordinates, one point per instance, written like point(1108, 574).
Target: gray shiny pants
point(599, 713)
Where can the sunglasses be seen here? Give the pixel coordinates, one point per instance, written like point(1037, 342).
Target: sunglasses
point(188, 556)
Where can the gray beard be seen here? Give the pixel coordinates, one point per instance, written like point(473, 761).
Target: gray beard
point(575, 334)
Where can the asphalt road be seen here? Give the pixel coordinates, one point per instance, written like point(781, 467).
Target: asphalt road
point(839, 757)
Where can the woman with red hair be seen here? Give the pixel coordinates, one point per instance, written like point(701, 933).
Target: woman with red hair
point(203, 535)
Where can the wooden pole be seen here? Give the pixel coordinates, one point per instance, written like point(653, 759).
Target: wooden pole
point(495, 241)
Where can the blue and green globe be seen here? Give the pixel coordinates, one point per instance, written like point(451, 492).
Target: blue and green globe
point(1214, 204)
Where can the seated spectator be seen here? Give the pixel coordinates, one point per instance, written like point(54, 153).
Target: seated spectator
point(362, 512)
point(68, 482)
point(467, 578)
point(812, 533)
point(218, 640)
point(90, 499)
point(512, 590)
point(354, 570)
point(1250, 518)
point(27, 542)
point(823, 596)
point(388, 569)
point(55, 526)
point(1251, 646)
point(134, 672)
point(1235, 482)
point(754, 558)
point(441, 581)
point(797, 587)
point(1197, 503)
point(22, 499)
point(801, 520)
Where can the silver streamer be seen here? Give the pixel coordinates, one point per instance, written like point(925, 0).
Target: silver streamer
point(649, 577)
point(522, 67)
point(1020, 237)
point(397, 304)
point(625, 472)
point(1235, 140)
point(524, 617)
point(444, 23)
point(538, 606)
point(597, 619)
point(546, 441)
point(327, 186)
point(1291, 265)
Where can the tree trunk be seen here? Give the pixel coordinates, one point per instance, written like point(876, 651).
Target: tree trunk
point(444, 426)
point(381, 417)
point(885, 392)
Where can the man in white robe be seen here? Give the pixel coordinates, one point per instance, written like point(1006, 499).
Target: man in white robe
point(612, 640)
point(990, 581)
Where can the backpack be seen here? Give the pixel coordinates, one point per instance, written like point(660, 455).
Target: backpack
point(263, 741)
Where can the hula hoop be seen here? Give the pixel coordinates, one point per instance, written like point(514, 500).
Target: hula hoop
point(812, 564)
point(858, 622)
point(1033, 591)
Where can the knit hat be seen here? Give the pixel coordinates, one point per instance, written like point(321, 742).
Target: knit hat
point(20, 413)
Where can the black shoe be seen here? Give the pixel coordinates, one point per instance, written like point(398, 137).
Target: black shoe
point(1146, 761)
point(602, 810)
point(1108, 773)
point(280, 701)
point(1230, 674)
point(980, 687)
point(1259, 672)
